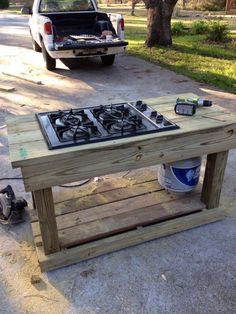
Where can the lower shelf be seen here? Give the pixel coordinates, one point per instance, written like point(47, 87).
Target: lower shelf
point(126, 239)
point(115, 216)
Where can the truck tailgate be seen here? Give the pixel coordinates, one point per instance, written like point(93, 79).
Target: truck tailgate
point(93, 44)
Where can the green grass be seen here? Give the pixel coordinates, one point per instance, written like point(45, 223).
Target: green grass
point(190, 55)
point(12, 10)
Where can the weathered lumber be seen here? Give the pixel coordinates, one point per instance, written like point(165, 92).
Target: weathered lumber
point(80, 203)
point(23, 78)
point(213, 179)
point(117, 242)
point(90, 161)
point(210, 131)
point(128, 213)
point(47, 221)
point(7, 89)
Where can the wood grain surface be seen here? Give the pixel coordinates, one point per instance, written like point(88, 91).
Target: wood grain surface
point(101, 221)
point(47, 220)
point(126, 239)
point(211, 130)
point(213, 179)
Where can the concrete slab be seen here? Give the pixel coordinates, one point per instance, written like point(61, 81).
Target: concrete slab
point(190, 272)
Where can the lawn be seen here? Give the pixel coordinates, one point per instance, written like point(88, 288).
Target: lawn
point(190, 55)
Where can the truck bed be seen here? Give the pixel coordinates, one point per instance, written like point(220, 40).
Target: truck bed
point(83, 31)
point(88, 23)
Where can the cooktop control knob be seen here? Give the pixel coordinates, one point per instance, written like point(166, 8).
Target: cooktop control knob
point(143, 107)
point(159, 119)
point(140, 105)
point(153, 114)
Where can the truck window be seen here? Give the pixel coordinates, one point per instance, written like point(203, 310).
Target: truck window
point(65, 6)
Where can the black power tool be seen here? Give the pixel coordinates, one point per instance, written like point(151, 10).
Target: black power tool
point(11, 208)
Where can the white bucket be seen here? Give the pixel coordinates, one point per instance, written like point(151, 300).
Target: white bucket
point(180, 176)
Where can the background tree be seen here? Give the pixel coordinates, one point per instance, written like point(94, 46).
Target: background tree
point(214, 5)
point(159, 19)
point(184, 4)
point(133, 4)
point(4, 4)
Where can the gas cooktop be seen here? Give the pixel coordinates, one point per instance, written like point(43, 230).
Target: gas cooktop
point(65, 128)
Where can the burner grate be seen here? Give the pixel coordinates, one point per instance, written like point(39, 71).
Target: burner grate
point(64, 128)
point(118, 119)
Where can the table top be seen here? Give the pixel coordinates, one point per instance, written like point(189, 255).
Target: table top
point(210, 130)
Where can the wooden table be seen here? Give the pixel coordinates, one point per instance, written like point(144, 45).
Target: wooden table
point(126, 214)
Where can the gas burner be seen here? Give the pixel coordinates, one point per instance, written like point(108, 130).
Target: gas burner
point(121, 126)
point(69, 118)
point(78, 131)
point(65, 128)
point(75, 133)
point(118, 118)
point(111, 112)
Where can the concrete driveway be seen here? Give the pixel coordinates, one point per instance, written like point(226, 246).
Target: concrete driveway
point(190, 272)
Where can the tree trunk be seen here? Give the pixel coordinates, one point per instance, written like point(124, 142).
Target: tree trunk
point(133, 4)
point(159, 18)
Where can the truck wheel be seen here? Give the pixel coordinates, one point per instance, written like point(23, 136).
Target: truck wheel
point(36, 46)
point(108, 60)
point(50, 62)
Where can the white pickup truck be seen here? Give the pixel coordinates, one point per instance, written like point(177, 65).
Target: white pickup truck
point(73, 29)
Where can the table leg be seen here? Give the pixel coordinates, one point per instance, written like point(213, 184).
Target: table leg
point(47, 220)
point(33, 201)
point(213, 179)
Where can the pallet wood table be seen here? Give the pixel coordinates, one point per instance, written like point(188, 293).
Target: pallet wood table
point(107, 217)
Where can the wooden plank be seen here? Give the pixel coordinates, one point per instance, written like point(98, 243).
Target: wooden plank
point(25, 129)
point(29, 132)
point(35, 137)
point(163, 100)
point(97, 199)
point(119, 223)
point(47, 221)
point(24, 78)
point(186, 125)
point(123, 215)
point(7, 89)
point(107, 197)
point(123, 205)
point(107, 183)
point(92, 162)
point(214, 175)
point(117, 242)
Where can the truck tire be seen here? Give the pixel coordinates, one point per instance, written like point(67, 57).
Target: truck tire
point(49, 61)
point(108, 60)
point(36, 46)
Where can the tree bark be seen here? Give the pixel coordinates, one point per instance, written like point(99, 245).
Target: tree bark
point(133, 5)
point(159, 18)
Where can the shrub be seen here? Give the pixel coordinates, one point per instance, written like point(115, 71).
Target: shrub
point(214, 5)
point(4, 4)
point(178, 28)
point(218, 32)
point(200, 27)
